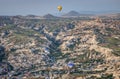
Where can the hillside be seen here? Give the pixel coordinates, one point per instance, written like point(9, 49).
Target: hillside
point(72, 13)
point(49, 16)
point(76, 14)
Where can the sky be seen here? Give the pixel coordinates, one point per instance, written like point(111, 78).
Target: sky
point(42, 7)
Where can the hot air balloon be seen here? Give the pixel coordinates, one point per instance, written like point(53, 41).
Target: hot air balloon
point(70, 64)
point(59, 8)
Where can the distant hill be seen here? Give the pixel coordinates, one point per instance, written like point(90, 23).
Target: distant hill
point(111, 15)
point(75, 14)
point(118, 14)
point(31, 15)
point(49, 16)
point(72, 13)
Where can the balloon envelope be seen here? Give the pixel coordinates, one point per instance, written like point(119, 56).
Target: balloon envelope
point(59, 8)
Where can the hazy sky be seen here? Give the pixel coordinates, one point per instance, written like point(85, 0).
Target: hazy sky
point(41, 7)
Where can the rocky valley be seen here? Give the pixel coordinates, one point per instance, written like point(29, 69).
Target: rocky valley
point(59, 48)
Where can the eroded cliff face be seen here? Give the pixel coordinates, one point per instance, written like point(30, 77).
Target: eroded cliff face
point(5, 66)
point(2, 53)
